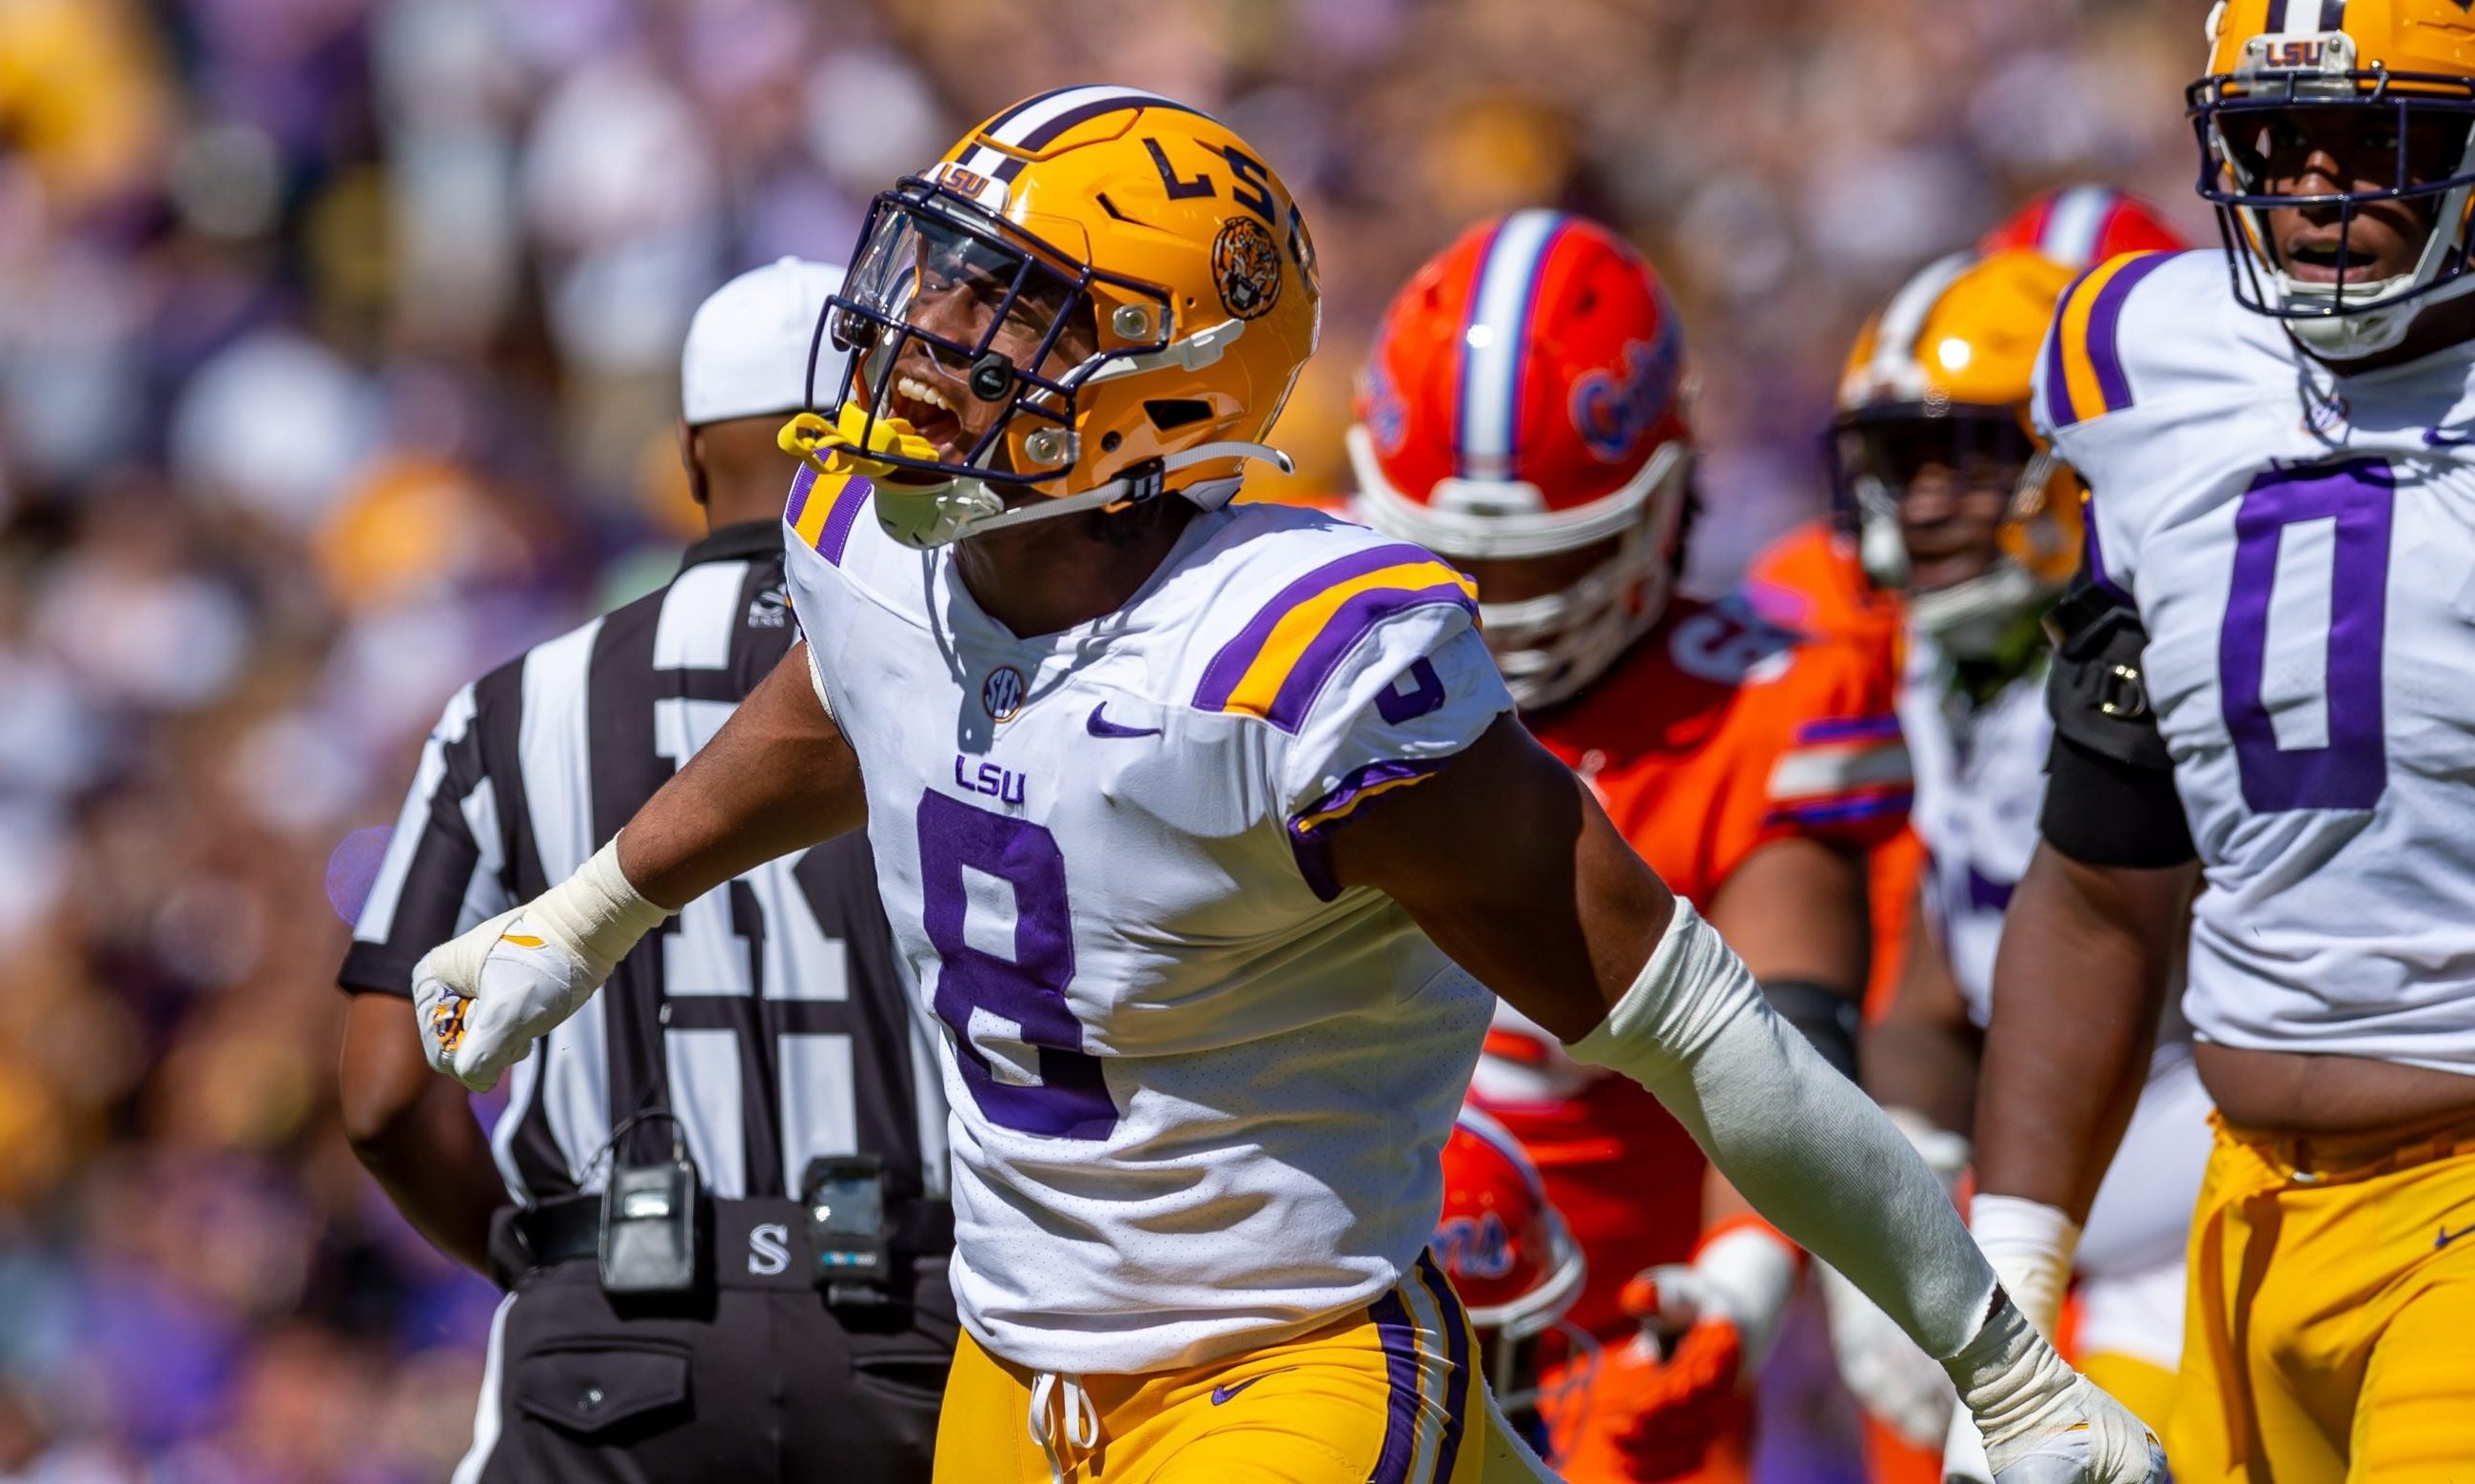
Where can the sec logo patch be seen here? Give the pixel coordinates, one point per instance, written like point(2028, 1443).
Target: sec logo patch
point(1001, 694)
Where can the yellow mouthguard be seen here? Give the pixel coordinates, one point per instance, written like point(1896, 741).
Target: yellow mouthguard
point(834, 448)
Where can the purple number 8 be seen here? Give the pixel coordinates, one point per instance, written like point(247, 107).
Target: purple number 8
point(1072, 1099)
point(2351, 770)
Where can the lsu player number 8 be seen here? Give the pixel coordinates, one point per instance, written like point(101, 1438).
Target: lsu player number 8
point(993, 358)
point(1166, 806)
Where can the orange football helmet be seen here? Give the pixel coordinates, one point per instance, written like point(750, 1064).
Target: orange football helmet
point(2081, 226)
point(1099, 296)
point(2407, 68)
point(1942, 377)
point(1526, 396)
point(1509, 1259)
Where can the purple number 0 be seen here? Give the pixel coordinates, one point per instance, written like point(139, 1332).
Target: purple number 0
point(1072, 1099)
point(2351, 769)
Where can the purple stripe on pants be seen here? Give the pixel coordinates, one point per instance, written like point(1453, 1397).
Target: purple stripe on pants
point(1460, 1379)
point(1399, 1338)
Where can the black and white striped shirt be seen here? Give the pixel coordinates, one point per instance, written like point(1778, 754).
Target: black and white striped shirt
point(769, 1015)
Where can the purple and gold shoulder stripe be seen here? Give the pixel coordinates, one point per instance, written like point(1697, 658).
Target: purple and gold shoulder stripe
point(1281, 661)
point(2084, 377)
point(822, 509)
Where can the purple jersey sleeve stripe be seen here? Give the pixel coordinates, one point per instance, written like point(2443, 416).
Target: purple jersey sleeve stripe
point(1398, 1338)
point(839, 520)
point(1851, 729)
point(1308, 828)
point(1228, 665)
point(803, 484)
point(2059, 411)
point(1350, 624)
point(2105, 320)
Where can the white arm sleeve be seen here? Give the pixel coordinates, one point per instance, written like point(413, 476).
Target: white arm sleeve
point(1804, 1146)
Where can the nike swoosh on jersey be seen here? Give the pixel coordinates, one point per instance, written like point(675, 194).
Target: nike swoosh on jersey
point(1099, 726)
point(1222, 1394)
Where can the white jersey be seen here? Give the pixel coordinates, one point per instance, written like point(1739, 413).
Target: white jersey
point(1199, 1094)
point(1981, 774)
point(2297, 544)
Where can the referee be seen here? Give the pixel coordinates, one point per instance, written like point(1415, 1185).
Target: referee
point(727, 1247)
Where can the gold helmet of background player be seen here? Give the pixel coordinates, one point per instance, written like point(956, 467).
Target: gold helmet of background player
point(1937, 389)
point(1097, 297)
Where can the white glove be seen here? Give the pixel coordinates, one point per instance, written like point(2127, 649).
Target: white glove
point(2042, 1422)
point(483, 997)
point(1893, 1381)
point(1744, 1274)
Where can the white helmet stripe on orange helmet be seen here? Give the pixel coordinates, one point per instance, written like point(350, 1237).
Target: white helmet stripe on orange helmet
point(1494, 343)
point(2074, 222)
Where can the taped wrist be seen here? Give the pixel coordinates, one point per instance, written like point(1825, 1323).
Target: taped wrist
point(2030, 1245)
point(596, 914)
point(1797, 1139)
point(2008, 1377)
point(1827, 1017)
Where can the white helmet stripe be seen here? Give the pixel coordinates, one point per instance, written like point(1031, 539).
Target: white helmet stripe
point(1895, 342)
point(1030, 117)
point(1493, 340)
point(2073, 225)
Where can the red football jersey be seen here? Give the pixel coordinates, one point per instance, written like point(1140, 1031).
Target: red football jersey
point(1721, 732)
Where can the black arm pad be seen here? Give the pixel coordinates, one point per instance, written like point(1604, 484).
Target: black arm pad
point(2102, 810)
point(1827, 1017)
point(2098, 692)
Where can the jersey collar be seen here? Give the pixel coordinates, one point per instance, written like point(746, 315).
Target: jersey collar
point(735, 542)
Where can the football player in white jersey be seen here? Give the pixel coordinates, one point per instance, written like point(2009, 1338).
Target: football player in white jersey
point(2266, 683)
point(1960, 509)
point(1185, 811)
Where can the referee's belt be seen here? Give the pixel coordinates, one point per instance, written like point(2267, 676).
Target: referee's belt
point(757, 1244)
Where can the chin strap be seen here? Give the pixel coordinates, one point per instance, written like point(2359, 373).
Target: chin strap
point(1149, 484)
point(943, 510)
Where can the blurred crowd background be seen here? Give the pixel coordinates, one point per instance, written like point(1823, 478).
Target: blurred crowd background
point(337, 363)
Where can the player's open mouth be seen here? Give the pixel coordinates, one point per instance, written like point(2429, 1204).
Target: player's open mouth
point(2316, 263)
point(930, 409)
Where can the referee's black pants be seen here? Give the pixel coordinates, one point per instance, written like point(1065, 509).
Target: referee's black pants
point(726, 1385)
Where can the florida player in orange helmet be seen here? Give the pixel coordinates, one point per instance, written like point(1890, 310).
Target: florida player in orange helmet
point(1524, 414)
point(1511, 1259)
point(2081, 226)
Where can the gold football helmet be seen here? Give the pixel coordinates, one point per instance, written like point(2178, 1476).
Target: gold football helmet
point(1940, 379)
point(1097, 297)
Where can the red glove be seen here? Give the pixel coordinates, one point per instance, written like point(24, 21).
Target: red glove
point(1664, 1414)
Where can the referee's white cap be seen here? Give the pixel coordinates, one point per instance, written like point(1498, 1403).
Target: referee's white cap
point(747, 347)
